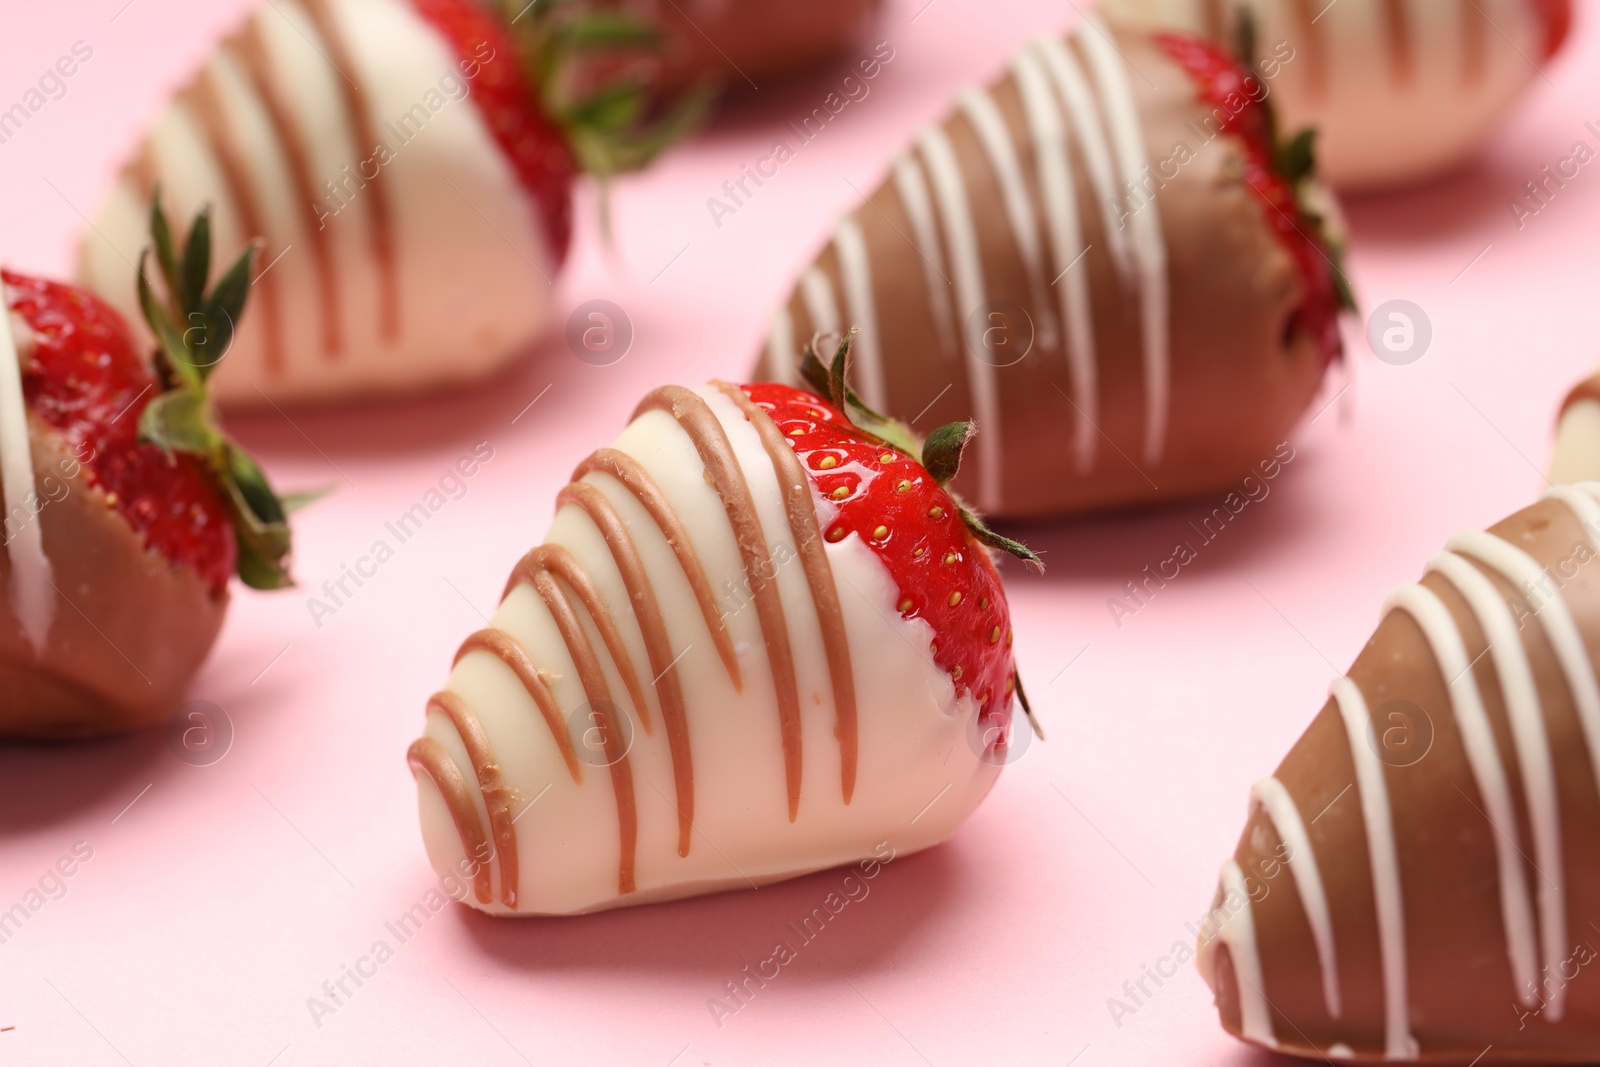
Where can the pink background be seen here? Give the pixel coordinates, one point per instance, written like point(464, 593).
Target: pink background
point(226, 895)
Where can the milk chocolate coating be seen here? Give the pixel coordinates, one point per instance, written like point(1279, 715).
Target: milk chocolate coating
point(130, 628)
point(1462, 1001)
point(736, 40)
point(1239, 378)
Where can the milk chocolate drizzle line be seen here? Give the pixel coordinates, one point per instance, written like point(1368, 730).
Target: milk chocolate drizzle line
point(627, 470)
point(509, 651)
point(496, 795)
point(381, 233)
point(802, 513)
point(658, 645)
point(1474, 43)
point(538, 569)
point(249, 47)
point(427, 756)
point(1402, 59)
point(722, 470)
point(1305, 13)
point(204, 100)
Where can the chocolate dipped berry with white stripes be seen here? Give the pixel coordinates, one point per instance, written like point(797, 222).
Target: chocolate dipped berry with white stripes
point(760, 639)
point(1109, 258)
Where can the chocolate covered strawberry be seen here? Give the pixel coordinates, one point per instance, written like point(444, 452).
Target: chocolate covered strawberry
point(1398, 92)
point(409, 167)
point(760, 639)
point(1125, 280)
point(127, 509)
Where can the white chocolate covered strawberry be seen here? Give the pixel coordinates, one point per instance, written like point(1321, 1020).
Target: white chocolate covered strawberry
point(757, 641)
point(1399, 90)
point(408, 168)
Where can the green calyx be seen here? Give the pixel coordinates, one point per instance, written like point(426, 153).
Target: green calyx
point(614, 127)
point(194, 326)
point(940, 452)
point(1294, 158)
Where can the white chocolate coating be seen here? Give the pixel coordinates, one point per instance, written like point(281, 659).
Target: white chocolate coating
point(435, 271)
point(1400, 90)
point(32, 593)
point(919, 773)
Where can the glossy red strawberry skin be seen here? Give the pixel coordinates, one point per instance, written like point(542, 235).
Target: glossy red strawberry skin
point(888, 500)
point(535, 146)
point(85, 380)
point(1221, 83)
point(1556, 17)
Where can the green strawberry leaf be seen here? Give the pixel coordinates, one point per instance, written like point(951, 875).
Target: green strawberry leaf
point(942, 451)
point(193, 328)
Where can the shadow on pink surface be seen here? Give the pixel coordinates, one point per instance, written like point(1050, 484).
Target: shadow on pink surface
point(714, 938)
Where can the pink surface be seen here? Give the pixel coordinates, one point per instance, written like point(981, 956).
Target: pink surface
point(225, 896)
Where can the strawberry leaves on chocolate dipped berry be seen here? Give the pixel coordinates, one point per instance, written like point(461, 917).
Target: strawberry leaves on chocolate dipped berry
point(614, 127)
point(940, 452)
point(194, 326)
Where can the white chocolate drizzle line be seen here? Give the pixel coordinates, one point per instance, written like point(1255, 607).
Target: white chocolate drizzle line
point(995, 137)
point(1280, 808)
point(1483, 758)
point(913, 189)
point(1239, 934)
point(1066, 246)
point(1127, 140)
point(1521, 697)
point(1378, 821)
point(856, 272)
point(781, 365)
point(821, 308)
point(955, 209)
point(32, 593)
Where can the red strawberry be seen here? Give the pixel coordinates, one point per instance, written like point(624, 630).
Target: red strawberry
point(889, 490)
point(1557, 18)
point(139, 508)
point(83, 379)
point(1275, 171)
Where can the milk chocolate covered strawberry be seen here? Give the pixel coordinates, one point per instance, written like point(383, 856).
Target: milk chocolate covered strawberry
point(1418, 879)
point(760, 638)
point(1399, 90)
point(409, 167)
point(1110, 258)
point(127, 510)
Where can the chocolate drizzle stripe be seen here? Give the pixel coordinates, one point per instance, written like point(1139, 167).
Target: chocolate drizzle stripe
point(1239, 935)
point(536, 569)
point(509, 651)
point(816, 291)
point(1059, 190)
point(1305, 14)
point(427, 756)
point(800, 506)
point(723, 472)
point(627, 470)
point(496, 797)
point(912, 186)
point(1397, 36)
point(562, 562)
point(1377, 820)
point(1474, 43)
point(249, 47)
point(855, 272)
point(1211, 19)
point(1110, 74)
point(204, 101)
point(1519, 694)
point(142, 172)
point(1000, 151)
point(781, 357)
point(658, 644)
point(1488, 773)
point(381, 232)
point(1281, 809)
